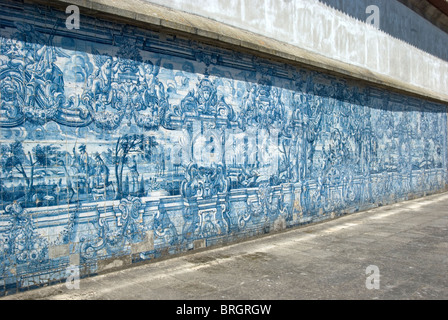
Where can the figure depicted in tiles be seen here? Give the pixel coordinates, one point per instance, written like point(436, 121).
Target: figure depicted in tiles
point(132, 165)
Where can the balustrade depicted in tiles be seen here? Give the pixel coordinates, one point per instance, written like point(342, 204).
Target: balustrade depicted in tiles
point(123, 143)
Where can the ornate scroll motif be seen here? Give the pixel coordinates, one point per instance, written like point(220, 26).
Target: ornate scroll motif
point(164, 227)
point(204, 182)
point(126, 89)
point(119, 89)
point(261, 106)
point(21, 244)
point(129, 208)
point(241, 215)
point(208, 224)
point(204, 101)
point(215, 141)
point(113, 235)
point(265, 203)
point(32, 84)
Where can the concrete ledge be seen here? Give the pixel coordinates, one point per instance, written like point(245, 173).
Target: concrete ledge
point(148, 15)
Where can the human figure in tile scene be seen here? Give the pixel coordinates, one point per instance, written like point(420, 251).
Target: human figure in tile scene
point(100, 181)
point(101, 172)
point(132, 165)
point(83, 164)
point(102, 78)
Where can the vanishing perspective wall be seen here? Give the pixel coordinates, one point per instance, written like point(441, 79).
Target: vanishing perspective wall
point(120, 145)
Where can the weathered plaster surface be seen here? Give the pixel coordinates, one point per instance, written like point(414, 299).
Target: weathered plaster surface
point(120, 145)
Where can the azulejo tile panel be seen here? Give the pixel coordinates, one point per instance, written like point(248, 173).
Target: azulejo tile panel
point(123, 144)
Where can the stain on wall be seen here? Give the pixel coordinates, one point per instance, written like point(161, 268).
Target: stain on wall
point(120, 145)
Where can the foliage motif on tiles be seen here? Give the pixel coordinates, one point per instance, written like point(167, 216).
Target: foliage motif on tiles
point(141, 133)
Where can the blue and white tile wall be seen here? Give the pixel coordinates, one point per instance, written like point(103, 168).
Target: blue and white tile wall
point(122, 143)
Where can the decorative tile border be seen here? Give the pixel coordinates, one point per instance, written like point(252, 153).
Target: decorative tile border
point(121, 145)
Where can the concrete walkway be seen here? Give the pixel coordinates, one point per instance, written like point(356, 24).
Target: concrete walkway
point(406, 243)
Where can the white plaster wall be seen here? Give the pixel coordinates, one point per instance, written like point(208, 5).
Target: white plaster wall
point(400, 22)
point(312, 25)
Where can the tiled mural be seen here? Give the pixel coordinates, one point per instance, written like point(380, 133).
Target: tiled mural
point(119, 143)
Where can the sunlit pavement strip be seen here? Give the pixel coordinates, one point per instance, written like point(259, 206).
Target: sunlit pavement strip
point(407, 242)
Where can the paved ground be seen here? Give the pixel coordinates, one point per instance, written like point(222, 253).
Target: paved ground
point(407, 242)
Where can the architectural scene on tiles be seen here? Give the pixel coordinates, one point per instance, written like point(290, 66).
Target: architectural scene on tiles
point(121, 142)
